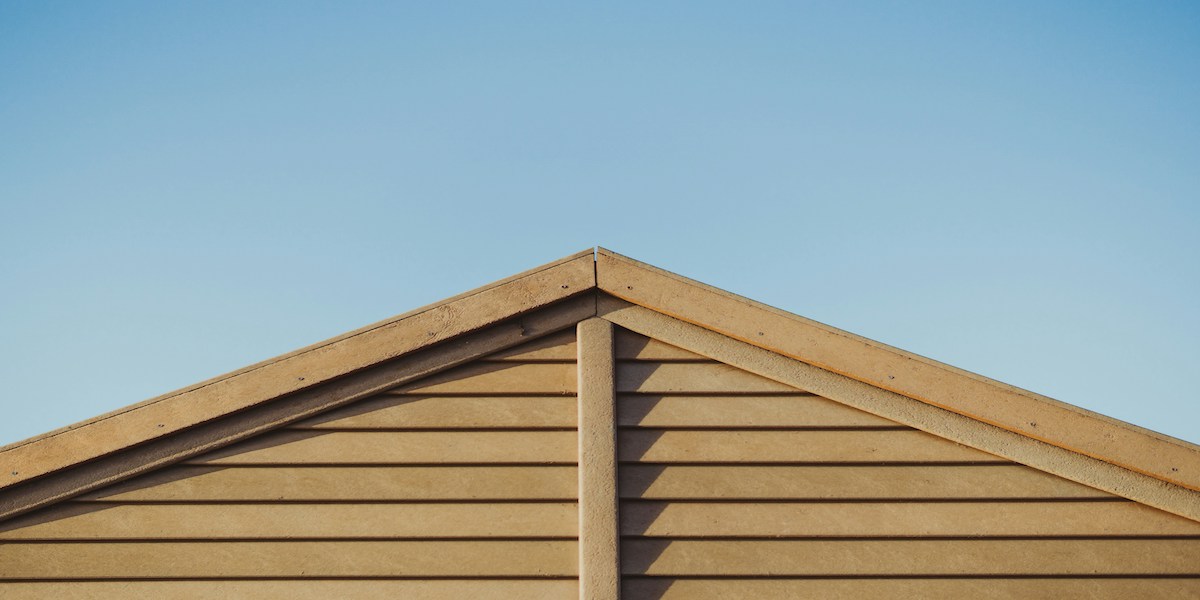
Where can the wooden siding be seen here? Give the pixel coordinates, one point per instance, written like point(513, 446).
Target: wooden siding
point(463, 484)
point(737, 486)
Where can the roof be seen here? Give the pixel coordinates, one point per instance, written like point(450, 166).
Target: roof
point(965, 407)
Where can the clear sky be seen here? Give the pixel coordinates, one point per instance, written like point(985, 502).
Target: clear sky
point(190, 187)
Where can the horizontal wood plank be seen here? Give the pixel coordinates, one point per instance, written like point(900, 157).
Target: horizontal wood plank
point(662, 588)
point(554, 347)
point(180, 484)
point(741, 412)
point(691, 378)
point(289, 559)
point(648, 445)
point(499, 378)
point(90, 521)
point(632, 346)
point(447, 412)
point(899, 519)
point(408, 589)
point(911, 557)
point(372, 447)
point(846, 482)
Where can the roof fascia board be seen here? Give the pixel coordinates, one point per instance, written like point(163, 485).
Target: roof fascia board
point(299, 370)
point(214, 434)
point(968, 394)
point(1059, 461)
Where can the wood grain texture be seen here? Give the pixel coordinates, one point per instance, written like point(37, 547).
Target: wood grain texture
point(801, 411)
point(907, 446)
point(410, 589)
point(632, 346)
point(449, 412)
point(298, 370)
point(599, 566)
point(386, 447)
point(559, 347)
point(926, 417)
point(289, 559)
point(695, 378)
point(267, 416)
point(899, 519)
point(499, 378)
point(1029, 414)
point(656, 588)
point(184, 483)
point(845, 482)
point(90, 521)
point(911, 557)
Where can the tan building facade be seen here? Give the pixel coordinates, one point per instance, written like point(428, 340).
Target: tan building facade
point(598, 428)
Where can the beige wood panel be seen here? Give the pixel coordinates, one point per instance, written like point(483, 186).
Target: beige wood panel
point(216, 521)
point(384, 447)
point(654, 588)
point(448, 412)
point(913, 376)
point(410, 589)
point(845, 482)
point(632, 346)
point(289, 559)
point(555, 347)
point(599, 530)
point(742, 411)
point(695, 378)
point(977, 434)
point(647, 445)
point(304, 368)
point(899, 519)
point(911, 557)
point(499, 378)
point(180, 484)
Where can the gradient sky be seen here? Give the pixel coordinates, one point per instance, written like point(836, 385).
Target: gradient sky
point(190, 187)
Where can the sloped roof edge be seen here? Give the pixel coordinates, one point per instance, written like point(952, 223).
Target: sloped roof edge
point(304, 368)
point(873, 363)
point(1008, 407)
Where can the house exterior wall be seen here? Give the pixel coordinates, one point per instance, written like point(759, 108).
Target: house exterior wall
point(736, 486)
point(461, 485)
point(466, 484)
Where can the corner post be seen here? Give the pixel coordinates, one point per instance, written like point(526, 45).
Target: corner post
point(599, 562)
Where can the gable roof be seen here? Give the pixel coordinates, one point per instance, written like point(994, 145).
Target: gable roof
point(917, 391)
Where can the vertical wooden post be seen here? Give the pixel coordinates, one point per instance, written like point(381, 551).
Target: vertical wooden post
point(599, 563)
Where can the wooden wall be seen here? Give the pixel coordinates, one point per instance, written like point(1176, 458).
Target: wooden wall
point(462, 485)
point(735, 486)
point(465, 485)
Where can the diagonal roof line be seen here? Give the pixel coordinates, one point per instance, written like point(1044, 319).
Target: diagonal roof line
point(298, 370)
point(1007, 407)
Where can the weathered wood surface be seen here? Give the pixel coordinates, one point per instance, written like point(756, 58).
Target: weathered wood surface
point(91, 521)
point(181, 484)
point(1017, 447)
point(599, 568)
point(882, 366)
point(647, 445)
point(449, 412)
point(845, 482)
point(499, 378)
point(108, 560)
point(407, 589)
point(660, 588)
point(298, 370)
point(696, 378)
point(801, 411)
point(911, 557)
point(386, 447)
point(558, 347)
point(899, 519)
point(632, 346)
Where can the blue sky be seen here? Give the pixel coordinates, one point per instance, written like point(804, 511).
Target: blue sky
point(190, 187)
